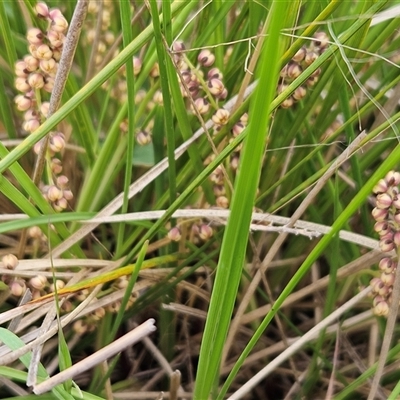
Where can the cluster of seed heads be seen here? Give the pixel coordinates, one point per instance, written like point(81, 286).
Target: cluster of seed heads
point(35, 79)
point(387, 216)
point(301, 60)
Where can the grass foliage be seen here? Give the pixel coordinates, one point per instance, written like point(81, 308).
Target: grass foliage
point(230, 205)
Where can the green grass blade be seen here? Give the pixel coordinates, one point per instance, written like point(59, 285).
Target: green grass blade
point(235, 239)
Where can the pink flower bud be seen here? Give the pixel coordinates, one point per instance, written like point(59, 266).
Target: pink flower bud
point(174, 234)
point(299, 56)
point(321, 40)
point(214, 73)
point(137, 65)
point(310, 58)
point(35, 36)
point(31, 125)
point(381, 309)
point(158, 97)
point(21, 69)
point(386, 245)
point(57, 142)
point(383, 200)
point(287, 103)
point(61, 205)
point(59, 23)
point(48, 66)
point(380, 187)
point(396, 238)
point(35, 232)
point(392, 178)
point(387, 265)
point(206, 58)
point(68, 195)
point(49, 84)
point(155, 71)
point(219, 190)
point(56, 166)
point(222, 201)
point(205, 232)
point(387, 279)
point(38, 282)
point(143, 138)
point(221, 117)
point(293, 70)
point(202, 105)
point(36, 80)
point(42, 10)
point(22, 85)
point(237, 129)
point(31, 63)
point(23, 103)
point(10, 261)
point(54, 193)
point(18, 288)
point(299, 93)
point(44, 108)
point(215, 86)
point(44, 52)
point(379, 214)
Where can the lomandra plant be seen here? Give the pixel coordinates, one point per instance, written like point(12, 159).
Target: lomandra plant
point(186, 199)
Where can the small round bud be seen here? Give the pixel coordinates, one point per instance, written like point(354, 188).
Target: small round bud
point(32, 63)
point(222, 201)
point(387, 265)
point(214, 73)
point(386, 245)
point(62, 182)
point(60, 205)
point(287, 103)
point(215, 86)
point(380, 187)
point(174, 234)
point(21, 70)
point(59, 284)
point(381, 309)
point(392, 178)
point(59, 23)
point(158, 98)
point(387, 279)
point(234, 163)
point(10, 261)
point(56, 166)
point(310, 58)
point(237, 129)
point(109, 37)
point(42, 11)
point(44, 108)
point(99, 313)
point(382, 228)
point(38, 282)
point(383, 201)
point(68, 195)
point(54, 193)
point(137, 65)
point(44, 52)
point(321, 40)
point(379, 214)
point(221, 117)
point(202, 105)
point(299, 93)
point(143, 138)
point(396, 238)
point(31, 125)
point(22, 85)
point(49, 84)
point(48, 66)
point(155, 71)
point(35, 36)
point(23, 103)
point(36, 81)
point(34, 232)
point(57, 142)
point(299, 56)
point(219, 190)
point(17, 287)
point(311, 81)
point(205, 232)
point(206, 58)
point(293, 70)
